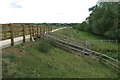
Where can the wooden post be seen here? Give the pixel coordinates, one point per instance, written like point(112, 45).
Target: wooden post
point(12, 35)
point(47, 29)
point(23, 33)
point(30, 32)
point(37, 31)
point(40, 30)
point(34, 30)
point(51, 29)
point(43, 29)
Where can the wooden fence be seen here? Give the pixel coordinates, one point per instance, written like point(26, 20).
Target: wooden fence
point(68, 44)
point(11, 31)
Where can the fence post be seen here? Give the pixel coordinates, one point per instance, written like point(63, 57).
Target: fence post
point(12, 35)
point(37, 31)
point(30, 32)
point(51, 28)
point(40, 30)
point(23, 33)
point(43, 29)
point(33, 30)
point(48, 29)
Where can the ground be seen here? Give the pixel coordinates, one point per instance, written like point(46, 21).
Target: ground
point(29, 60)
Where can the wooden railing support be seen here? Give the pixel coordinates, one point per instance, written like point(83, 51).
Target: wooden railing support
point(23, 33)
point(30, 32)
point(12, 35)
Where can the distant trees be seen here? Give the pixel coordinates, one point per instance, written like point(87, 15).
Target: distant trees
point(52, 24)
point(103, 20)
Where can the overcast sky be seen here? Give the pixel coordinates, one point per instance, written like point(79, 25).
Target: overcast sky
point(49, 11)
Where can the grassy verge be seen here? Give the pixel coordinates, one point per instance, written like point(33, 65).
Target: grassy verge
point(30, 60)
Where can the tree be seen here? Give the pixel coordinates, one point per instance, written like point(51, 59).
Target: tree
point(103, 20)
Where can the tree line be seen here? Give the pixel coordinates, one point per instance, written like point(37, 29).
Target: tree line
point(103, 20)
point(50, 24)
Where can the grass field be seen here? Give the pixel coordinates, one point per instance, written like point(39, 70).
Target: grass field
point(40, 59)
point(105, 47)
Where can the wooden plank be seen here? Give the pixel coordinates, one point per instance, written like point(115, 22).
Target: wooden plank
point(111, 63)
point(6, 38)
point(5, 25)
point(27, 28)
point(18, 31)
point(20, 35)
point(109, 58)
point(6, 31)
point(6, 35)
point(111, 66)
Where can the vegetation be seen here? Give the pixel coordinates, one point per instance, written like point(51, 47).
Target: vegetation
point(29, 61)
point(105, 47)
point(40, 59)
point(103, 20)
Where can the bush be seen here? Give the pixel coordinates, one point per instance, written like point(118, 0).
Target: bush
point(44, 46)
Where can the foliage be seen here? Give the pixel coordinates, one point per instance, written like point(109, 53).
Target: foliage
point(103, 20)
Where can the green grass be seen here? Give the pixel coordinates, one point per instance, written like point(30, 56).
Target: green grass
point(72, 33)
point(105, 47)
point(29, 61)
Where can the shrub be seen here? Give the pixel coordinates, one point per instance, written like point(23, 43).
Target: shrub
point(44, 46)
